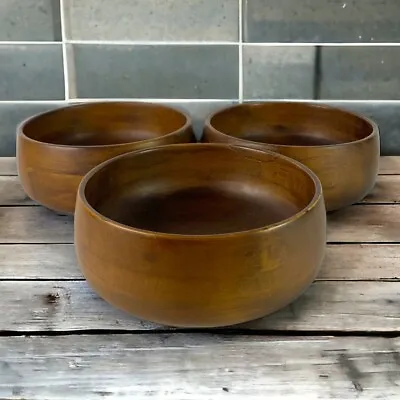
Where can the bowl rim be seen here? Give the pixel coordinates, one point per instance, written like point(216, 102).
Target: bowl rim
point(316, 199)
point(308, 104)
point(22, 125)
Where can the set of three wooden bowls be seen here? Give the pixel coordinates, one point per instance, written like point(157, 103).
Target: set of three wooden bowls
point(198, 234)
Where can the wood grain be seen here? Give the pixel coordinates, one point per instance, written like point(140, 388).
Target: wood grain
point(347, 172)
point(388, 165)
point(359, 223)
point(361, 261)
point(197, 366)
point(365, 223)
point(58, 262)
point(387, 190)
point(41, 261)
point(179, 366)
point(11, 192)
point(72, 305)
point(34, 225)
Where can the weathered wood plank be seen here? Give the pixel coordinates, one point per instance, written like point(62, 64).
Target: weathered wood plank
point(8, 166)
point(389, 165)
point(387, 190)
point(187, 366)
point(365, 223)
point(11, 192)
point(39, 261)
point(58, 261)
point(34, 225)
point(360, 262)
point(72, 305)
point(359, 223)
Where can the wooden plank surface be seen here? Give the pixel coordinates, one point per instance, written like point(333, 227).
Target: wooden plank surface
point(359, 223)
point(201, 367)
point(387, 190)
point(8, 166)
point(58, 261)
point(34, 225)
point(389, 165)
point(72, 305)
point(11, 192)
point(365, 223)
point(42, 292)
point(39, 261)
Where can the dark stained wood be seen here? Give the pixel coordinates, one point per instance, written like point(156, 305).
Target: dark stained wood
point(342, 148)
point(56, 148)
point(209, 243)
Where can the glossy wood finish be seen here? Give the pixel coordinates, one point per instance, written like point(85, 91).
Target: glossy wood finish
point(200, 235)
point(57, 148)
point(342, 148)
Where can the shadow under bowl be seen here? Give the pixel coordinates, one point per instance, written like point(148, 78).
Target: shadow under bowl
point(200, 235)
point(341, 147)
point(57, 148)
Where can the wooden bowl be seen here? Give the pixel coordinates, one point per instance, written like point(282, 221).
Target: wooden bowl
point(200, 235)
point(56, 149)
point(342, 148)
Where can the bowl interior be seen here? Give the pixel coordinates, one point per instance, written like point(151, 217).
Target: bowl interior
point(199, 189)
point(291, 124)
point(104, 124)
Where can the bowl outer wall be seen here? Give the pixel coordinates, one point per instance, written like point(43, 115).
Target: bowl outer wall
point(51, 174)
point(347, 171)
point(195, 281)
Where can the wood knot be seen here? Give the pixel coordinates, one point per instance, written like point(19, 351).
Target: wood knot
point(52, 298)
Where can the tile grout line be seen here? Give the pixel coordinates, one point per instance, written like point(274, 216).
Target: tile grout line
point(152, 42)
point(240, 51)
point(64, 49)
point(193, 100)
point(194, 43)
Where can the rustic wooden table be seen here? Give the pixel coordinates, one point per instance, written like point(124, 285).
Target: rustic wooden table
point(59, 340)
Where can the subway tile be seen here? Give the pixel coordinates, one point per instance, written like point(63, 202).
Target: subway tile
point(31, 72)
point(30, 20)
point(278, 72)
point(321, 20)
point(360, 73)
point(386, 115)
point(11, 115)
point(159, 20)
point(165, 71)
